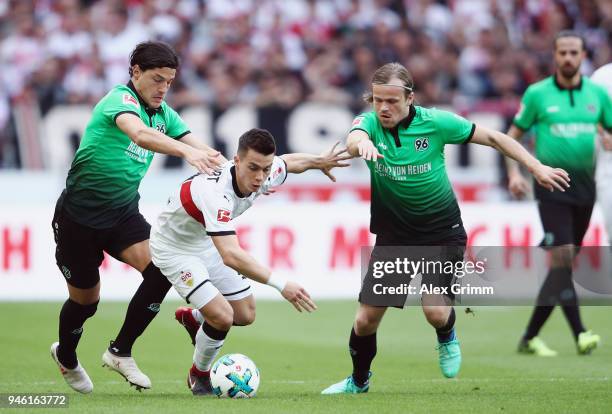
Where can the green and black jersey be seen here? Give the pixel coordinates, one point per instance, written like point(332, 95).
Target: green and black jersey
point(412, 197)
point(565, 123)
point(102, 184)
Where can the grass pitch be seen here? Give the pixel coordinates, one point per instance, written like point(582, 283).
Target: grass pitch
point(300, 354)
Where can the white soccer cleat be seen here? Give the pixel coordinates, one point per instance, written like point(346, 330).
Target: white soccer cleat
point(126, 366)
point(77, 378)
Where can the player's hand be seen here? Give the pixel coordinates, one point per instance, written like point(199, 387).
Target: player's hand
point(333, 158)
point(606, 140)
point(552, 178)
point(298, 297)
point(368, 151)
point(518, 185)
point(205, 161)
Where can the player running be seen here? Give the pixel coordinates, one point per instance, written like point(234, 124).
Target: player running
point(565, 109)
point(98, 210)
point(413, 204)
point(194, 243)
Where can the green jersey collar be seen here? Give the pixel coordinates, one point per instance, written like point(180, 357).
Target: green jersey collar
point(404, 123)
point(563, 88)
point(148, 110)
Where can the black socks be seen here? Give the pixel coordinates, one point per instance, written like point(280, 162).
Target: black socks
point(143, 307)
point(447, 332)
point(363, 351)
point(71, 320)
point(558, 288)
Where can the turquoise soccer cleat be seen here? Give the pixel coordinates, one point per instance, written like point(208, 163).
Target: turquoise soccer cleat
point(449, 354)
point(347, 386)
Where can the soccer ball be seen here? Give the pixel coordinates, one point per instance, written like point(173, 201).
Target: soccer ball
point(234, 376)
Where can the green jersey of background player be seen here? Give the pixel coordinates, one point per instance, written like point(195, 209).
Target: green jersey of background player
point(564, 110)
point(413, 202)
point(98, 211)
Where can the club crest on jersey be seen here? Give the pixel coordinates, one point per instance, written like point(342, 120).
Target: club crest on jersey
point(421, 144)
point(129, 99)
point(224, 216)
point(186, 277)
point(591, 108)
point(161, 128)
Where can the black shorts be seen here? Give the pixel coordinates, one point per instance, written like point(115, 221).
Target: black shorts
point(79, 248)
point(563, 223)
point(446, 250)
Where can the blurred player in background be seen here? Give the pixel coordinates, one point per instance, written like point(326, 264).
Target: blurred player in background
point(603, 176)
point(98, 210)
point(194, 243)
point(566, 109)
point(413, 202)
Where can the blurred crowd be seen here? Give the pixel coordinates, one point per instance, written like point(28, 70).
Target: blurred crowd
point(464, 53)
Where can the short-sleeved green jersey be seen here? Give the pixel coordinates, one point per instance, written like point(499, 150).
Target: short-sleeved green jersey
point(102, 184)
point(565, 122)
point(412, 197)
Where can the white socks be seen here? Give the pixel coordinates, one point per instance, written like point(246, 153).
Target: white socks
point(206, 349)
point(197, 315)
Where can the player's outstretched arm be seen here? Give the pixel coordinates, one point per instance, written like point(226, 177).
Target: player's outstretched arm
point(153, 140)
point(517, 184)
point(358, 144)
point(548, 177)
point(334, 157)
point(235, 257)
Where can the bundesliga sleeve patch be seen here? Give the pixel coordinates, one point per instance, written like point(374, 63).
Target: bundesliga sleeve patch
point(130, 100)
point(357, 121)
point(224, 216)
point(519, 113)
point(277, 172)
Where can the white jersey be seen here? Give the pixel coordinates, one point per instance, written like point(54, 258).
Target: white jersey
point(603, 176)
point(603, 77)
point(204, 206)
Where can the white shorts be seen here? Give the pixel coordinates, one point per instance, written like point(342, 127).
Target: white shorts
point(198, 279)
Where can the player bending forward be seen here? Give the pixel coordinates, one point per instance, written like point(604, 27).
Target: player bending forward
point(194, 244)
